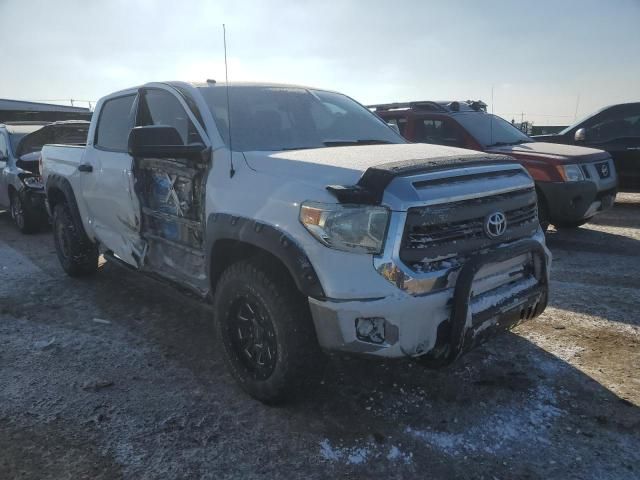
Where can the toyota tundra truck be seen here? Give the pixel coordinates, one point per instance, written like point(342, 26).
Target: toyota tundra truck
point(309, 223)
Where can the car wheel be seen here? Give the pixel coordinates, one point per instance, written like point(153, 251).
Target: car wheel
point(77, 254)
point(570, 225)
point(26, 219)
point(543, 213)
point(265, 328)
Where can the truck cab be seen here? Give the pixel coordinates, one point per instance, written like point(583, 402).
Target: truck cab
point(308, 223)
point(573, 183)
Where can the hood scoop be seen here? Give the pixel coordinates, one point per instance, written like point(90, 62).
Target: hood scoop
point(371, 186)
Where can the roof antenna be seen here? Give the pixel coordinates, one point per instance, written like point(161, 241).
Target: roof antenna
point(491, 121)
point(232, 170)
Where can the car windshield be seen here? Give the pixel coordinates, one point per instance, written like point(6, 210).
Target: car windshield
point(283, 118)
point(490, 130)
point(70, 134)
point(14, 140)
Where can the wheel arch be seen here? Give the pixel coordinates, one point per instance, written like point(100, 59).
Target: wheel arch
point(232, 238)
point(59, 190)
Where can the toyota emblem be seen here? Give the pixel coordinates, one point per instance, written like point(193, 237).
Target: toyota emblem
point(495, 225)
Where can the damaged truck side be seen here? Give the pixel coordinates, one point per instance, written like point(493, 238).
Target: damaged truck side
point(309, 223)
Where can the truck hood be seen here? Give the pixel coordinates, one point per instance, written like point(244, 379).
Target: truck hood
point(345, 165)
point(552, 151)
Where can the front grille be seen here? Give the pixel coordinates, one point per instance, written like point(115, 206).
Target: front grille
point(453, 229)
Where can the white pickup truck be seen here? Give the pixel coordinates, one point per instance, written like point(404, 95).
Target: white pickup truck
point(309, 222)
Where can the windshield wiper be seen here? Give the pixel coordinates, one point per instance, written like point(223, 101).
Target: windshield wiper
point(295, 148)
point(504, 144)
point(363, 141)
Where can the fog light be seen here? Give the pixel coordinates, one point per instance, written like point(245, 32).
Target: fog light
point(370, 329)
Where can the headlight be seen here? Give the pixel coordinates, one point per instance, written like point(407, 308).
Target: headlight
point(571, 173)
point(351, 228)
point(33, 181)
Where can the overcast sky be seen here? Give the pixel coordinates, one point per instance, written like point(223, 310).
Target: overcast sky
point(537, 55)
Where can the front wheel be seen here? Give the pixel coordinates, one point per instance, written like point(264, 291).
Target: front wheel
point(570, 225)
point(266, 331)
point(24, 216)
point(78, 255)
point(543, 213)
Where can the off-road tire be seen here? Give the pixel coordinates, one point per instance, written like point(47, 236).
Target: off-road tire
point(26, 218)
point(77, 254)
point(298, 357)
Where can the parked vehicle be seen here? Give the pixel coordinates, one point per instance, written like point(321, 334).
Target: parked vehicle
point(308, 221)
point(573, 183)
point(21, 187)
point(615, 129)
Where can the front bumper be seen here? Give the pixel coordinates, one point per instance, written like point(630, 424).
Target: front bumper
point(35, 198)
point(575, 201)
point(441, 325)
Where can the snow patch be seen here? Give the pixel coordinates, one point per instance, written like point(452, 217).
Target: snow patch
point(361, 454)
point(520, 425)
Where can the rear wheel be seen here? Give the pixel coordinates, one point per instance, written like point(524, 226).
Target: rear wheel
point(24, 216)
point(77, 254)
point(265, 328)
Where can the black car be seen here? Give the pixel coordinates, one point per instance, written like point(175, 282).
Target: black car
point(615, 129)
point(21, 187)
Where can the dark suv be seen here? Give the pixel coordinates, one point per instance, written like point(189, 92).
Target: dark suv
point(573, 183)
point(615, 129)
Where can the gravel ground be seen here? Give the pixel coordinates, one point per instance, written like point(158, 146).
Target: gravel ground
point(119, 376)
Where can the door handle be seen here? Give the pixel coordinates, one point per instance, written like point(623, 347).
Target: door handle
point(85, 167)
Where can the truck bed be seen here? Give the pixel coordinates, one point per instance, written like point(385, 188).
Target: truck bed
point(62, 160)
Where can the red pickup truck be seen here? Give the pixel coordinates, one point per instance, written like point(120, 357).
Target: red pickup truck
point(573, 183)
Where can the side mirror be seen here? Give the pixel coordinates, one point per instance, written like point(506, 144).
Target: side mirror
point(394, 127)
point(160, 141)
point(580, 135)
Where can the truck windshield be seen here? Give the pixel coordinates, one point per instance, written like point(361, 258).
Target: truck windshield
point(265, 118)
point(490, 130)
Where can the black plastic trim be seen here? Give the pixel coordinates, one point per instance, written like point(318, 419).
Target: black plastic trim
point(371, 186)
point(222, 226)
point(61, 183)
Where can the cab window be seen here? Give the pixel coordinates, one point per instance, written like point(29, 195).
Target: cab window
point(115, 123)
point(162, 108)
point(437, 131)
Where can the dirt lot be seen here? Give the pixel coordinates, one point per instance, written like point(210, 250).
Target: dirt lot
point(119, 376)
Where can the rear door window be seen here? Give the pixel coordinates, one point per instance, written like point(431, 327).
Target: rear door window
point(163, 108)
point(115, 123)
point(623, 124)
point(437, 131)
point(399, 122)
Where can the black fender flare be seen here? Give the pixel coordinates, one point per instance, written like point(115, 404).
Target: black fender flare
point(222, 226)
point(58, 182)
